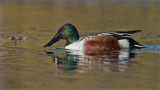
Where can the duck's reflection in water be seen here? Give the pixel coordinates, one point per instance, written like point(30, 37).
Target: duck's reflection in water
point(69, 60)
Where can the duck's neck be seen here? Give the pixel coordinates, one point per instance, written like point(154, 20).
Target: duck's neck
point(72, 39)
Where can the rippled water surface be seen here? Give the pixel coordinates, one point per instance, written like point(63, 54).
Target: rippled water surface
point(25, 26)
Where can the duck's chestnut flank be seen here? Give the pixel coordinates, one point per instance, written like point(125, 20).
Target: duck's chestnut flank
point(101, 43)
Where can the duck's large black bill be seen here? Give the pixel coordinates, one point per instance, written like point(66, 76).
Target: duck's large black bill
point(54, 40)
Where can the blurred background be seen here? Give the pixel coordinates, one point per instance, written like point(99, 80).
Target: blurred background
point(26, 25)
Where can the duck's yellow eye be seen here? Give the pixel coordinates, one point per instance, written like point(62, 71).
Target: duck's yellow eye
point(63, 30)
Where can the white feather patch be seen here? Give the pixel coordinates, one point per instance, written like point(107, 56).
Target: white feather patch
point(78, 45)
point(124, 43)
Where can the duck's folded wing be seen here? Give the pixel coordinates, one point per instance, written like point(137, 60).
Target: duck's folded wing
point(113, 33)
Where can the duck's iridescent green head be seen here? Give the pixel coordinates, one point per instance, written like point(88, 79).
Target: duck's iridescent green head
point(67, 32)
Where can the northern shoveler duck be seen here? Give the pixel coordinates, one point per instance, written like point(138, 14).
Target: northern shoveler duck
point(100, 41)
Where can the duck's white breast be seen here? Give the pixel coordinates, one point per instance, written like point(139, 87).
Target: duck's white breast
point(78, 45)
